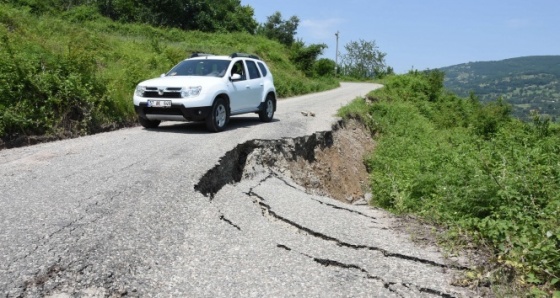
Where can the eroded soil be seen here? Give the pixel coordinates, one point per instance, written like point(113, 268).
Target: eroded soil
point(338, 169)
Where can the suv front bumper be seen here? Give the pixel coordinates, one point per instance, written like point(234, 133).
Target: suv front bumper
point(173, 113)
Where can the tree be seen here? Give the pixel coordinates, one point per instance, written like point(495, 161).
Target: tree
point(283, 31)
point(304, 57)
point(205, 15)
point(237, 18)
point(363, 59)
point(202, 15)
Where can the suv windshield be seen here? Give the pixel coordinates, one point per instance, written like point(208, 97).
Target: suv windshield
point(200, 67)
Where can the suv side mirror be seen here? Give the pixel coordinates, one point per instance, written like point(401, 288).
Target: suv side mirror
point(235, 77)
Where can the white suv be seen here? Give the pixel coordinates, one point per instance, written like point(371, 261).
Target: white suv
point(208, 88)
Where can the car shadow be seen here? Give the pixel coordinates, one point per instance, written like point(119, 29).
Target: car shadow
point(200, 127)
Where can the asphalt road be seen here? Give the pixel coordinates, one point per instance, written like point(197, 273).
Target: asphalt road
point(116, 214)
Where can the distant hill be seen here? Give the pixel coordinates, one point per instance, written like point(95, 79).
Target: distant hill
point(528, 83)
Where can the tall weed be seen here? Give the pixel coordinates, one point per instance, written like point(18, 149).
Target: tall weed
point(472, 166)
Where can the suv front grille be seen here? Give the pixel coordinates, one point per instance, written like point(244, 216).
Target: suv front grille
point(170, 92)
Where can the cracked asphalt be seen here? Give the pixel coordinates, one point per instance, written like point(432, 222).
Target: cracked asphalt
point(117, 214)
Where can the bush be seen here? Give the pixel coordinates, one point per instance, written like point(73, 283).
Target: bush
point(470, 166)
point(324, 67)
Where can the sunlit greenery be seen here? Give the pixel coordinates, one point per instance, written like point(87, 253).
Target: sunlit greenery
point(73, 73)
point(470, 166)
point(201, 15)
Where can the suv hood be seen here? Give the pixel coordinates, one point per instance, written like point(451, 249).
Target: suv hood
point(180, 81)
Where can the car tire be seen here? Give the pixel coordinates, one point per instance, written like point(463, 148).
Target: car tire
point(149, 123)
point(219, 116)
point(267, 112)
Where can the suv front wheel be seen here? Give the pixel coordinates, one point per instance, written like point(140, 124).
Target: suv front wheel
point(149, 123)
point(219, 116)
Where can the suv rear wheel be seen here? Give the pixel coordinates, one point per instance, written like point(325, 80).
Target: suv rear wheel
point(267, 112)
point(219, 116)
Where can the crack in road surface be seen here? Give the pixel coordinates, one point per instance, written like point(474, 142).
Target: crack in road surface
point(268, 210)
point(316, 162)
point(272, 159)
point(388, 285)
point(229, 222)
point(231, 166)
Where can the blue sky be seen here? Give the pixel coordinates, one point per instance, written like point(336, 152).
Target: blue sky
point(421, 34)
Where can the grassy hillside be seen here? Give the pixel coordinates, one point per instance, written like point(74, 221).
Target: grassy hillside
point(73, 74)
point(529, 83)
point(471, 167)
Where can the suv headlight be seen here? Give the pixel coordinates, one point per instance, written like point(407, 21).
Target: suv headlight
point(191, 91)
point(140, 90)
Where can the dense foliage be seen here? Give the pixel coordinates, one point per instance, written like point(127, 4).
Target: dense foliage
point(202, 15)
point(324, 67)
point(74, 73)
point(470, 165)
point(276, 28)
point(528, 83)
point(305, 56)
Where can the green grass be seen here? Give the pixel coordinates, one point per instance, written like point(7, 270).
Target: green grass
point(473, 168)
point(74, 74)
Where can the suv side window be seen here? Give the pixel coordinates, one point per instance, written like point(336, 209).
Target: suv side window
point(253, 70)
point(263, 69)
point(239, 69)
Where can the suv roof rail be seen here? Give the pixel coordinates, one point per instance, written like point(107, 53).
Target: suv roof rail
point(199, 54)
point(245, 55)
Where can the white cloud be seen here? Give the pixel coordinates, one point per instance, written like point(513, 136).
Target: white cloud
point(319, 29)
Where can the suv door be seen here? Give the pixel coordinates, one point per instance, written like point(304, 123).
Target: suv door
point(240, 93)
point(256, 84)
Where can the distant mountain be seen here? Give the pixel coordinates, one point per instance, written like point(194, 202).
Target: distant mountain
point(528, 83)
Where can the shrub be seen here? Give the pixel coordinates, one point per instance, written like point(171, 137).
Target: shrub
point(470, 166)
